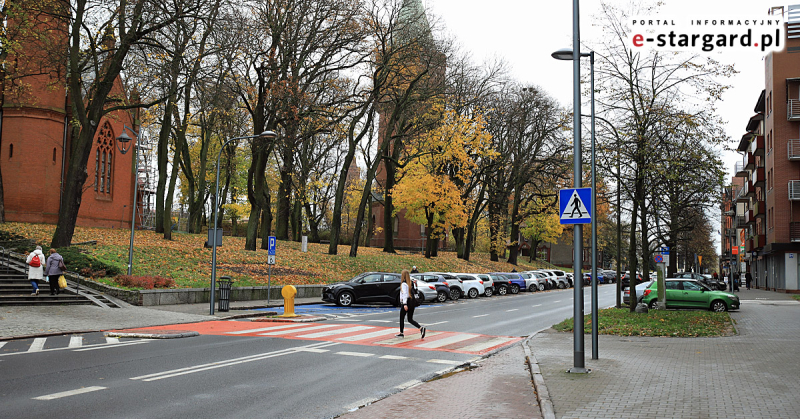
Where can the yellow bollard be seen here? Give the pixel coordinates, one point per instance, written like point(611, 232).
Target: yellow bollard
point(288, 292)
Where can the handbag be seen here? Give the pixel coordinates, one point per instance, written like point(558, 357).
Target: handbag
point(62, 282)
point(61, 266)
point(412, 298)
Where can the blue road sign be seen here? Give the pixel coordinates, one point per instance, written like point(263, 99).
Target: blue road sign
point(271, 246)
point(575, 206)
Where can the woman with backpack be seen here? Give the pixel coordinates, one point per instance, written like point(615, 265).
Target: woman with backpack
point(35, 261)
point(408, 302)
point(55, 268)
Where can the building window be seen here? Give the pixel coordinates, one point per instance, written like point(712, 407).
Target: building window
point(54, 154)
point(10, 151)
point(422, 231)
point(103, 161)
point(396, 226)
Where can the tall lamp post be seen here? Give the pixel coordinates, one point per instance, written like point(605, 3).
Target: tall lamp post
point(265, 134)
point(570, 55)
point(578, 358)
point(123, 146)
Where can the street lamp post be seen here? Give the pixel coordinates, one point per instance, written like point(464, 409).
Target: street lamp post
point(123, 139)
point(265, 134)
point(578, 362)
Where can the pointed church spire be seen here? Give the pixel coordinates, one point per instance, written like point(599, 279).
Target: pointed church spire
point(412, 22)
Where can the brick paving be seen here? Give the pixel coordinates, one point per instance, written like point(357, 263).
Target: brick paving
point(753, 374)
point(499, 388)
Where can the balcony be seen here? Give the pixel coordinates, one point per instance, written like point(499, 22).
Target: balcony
point(740, 220)
point(741, 196)
point(793, 110)
point(757, 177)
point(749, 217)
point(794, 231)
point(760, 209)
point(749, 161)
point(757, 146)
point(739, 169)
point(793, 147)
point(794, 190)
point(730, 232)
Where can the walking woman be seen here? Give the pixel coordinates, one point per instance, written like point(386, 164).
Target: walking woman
point(35, 261)
point(53, 270)
point(408, 302)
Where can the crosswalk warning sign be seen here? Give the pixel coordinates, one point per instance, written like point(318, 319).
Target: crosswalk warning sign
point(574, 206)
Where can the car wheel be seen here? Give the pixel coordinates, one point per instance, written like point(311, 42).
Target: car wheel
point(653, 304)
point(503, 290)
point(421, 297)
point(541, 287)
point(441, 296)
point(455, 294)
point(561, 285)
point(473, 293)
point(532, 288)
point(514, 289)
point(345, 299)
point(488, 292)
point(719, 306)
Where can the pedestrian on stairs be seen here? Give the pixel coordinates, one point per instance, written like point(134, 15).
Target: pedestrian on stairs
point(53, 270)
point(35, 268)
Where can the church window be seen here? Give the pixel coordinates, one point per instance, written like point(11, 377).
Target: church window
point(103, 161)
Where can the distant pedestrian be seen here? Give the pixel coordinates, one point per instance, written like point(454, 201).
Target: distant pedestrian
point(715, 276)
point(408, 302)
point(736, 282)
point(35, 261)
point(726, 281)
point(748, 279)
point(54, 269)
point(414, 270)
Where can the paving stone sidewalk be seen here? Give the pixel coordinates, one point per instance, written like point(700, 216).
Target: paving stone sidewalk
point(499, 388)
point(754, 374)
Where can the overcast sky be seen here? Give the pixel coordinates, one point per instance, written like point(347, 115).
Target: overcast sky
point(524, 33)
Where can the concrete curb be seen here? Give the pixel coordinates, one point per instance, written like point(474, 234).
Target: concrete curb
point(542, 395)
point(175, 334)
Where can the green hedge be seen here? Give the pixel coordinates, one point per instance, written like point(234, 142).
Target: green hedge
point(78, 261)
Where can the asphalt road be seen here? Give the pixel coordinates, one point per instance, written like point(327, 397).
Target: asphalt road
point(220, 376)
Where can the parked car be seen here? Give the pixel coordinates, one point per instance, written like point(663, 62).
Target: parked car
point(488, 284)
point(710, 281)
point(691, 293)
point(626, 293)
point(587, 278)
point(369, 287)
point(534, 281)
point(442, 289)
point(610, 276)
point(571, 279)
point(560, 278)
point(473, 285)
point(550, 277)
point(501, 283)
point(626, 279)
point(515, 281)
point(456, 285)
point(425, 291)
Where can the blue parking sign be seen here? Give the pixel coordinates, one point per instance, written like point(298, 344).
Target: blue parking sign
point(271, 246)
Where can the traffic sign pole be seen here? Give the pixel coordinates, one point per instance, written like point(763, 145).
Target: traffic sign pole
point(271, 245)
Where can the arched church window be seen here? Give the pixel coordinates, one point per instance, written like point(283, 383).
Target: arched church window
point(103, 161)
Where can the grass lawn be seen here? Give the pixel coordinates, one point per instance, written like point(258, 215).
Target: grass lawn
point(796, 297)
point(186, 261)
point(667, 323)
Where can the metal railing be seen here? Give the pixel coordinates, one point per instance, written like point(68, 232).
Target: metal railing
point(794, 231)
point(793, 147)
point(793, 109)
point(794, 190)
point(738, 167)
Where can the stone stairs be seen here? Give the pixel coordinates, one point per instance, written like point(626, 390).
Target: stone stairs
point(15, 289)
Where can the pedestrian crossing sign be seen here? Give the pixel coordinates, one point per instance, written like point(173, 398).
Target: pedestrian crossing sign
point(575, 206)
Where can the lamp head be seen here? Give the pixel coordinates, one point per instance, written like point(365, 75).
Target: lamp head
point(123, 140)
point(563, 54)
point(268, 134)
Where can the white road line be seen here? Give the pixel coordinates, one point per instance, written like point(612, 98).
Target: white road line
point(2, 344)
point(228, 362)
point(313, 350)
point(361, 354)
point(369, 335)
point(557, 301)
point(434, 324)
point(513, 309)
point(482, 315)
point(477, 347)
point(445, 361)
point(298, 330)
point(264, 329)
point(383, 321)
point(75, 341)
point(37, 345)
point(336, 332)
point(111, 341)
point(536, 305)
point(109, 345)
point(446, 341)
point(393, 357)
point(69, 393)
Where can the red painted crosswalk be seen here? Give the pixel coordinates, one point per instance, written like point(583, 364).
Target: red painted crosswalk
point(467, 343)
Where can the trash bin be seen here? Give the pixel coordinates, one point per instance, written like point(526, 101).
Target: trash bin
point(224, 301)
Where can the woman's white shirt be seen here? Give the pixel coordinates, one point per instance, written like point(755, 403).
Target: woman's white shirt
point(403, 293)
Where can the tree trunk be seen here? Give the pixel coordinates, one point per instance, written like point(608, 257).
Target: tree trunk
point(284, 196)
point(514, 239)
point(266, 220)
point(365, 199)
point(170, 193)
point(73, 185)
point(459, 234)
point(338, 202)
point(256, 185)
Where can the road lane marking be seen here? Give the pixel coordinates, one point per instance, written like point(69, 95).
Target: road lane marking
point(69, 393)
point(108, 345)
point(477, 347)
point(382, 321)
point(558, 301)
point(434, 324)
point(513, 309)
point(393, 357)
point(536, 305)
point(360, 354)
point(445, 361)
point(446, 341)
point(482, 315)
point(75, 341)
point(37, 345)
point(263, 329)
point(2, 344)
point(313, 350)
point(369, 335)
point(298, 330)
point(111, 340)
point(336, 332)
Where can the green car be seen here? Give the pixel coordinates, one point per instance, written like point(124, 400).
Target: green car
point(690, 293)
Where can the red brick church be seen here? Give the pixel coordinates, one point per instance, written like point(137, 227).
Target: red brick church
point(35, 141)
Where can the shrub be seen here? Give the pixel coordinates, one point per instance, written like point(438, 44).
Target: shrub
point(86, 265)
point(147, 282)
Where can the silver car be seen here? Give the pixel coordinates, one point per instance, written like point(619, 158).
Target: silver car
point(626, 294)
point(473, 286)
point(534, 281)
point(425, 291)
